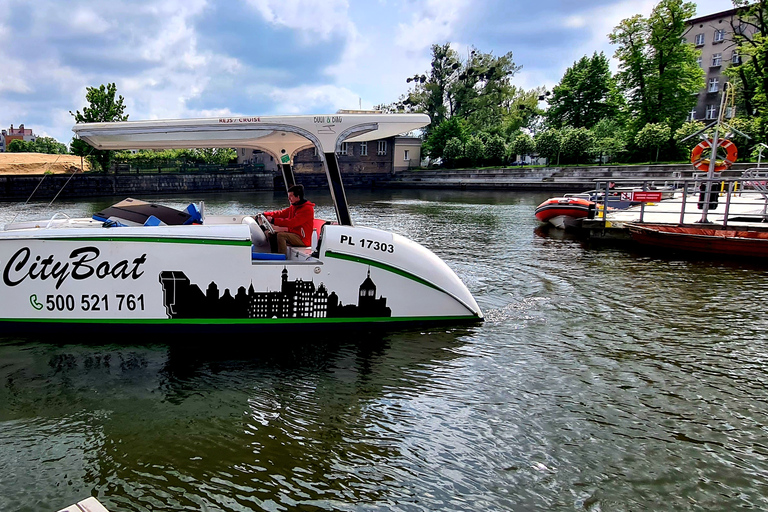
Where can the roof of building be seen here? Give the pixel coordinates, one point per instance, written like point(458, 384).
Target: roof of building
point(715, 16)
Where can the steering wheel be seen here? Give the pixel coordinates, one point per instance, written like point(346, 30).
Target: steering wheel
point(265, 224)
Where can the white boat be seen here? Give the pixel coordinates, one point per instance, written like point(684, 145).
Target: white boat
point(215, 273)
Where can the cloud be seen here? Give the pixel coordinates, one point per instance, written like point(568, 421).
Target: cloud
point(190, 58)
point(433, 21)
point(309, 17)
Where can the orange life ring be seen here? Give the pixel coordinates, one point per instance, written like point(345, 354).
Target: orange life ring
point(702, 163)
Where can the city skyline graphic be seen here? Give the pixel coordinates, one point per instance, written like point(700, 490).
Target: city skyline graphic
point(295, 299)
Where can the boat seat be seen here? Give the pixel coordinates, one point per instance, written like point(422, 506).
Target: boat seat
point(265, 256)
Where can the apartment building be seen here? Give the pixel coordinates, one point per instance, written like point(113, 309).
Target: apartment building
point(712, 35)
point(20, 133)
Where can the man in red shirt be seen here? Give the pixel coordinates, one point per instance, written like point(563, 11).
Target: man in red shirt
point(293, 225)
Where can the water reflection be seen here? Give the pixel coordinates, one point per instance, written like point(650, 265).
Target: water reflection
point(602, 379)
point(180, 425)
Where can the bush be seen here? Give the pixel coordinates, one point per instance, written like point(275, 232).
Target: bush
point(474, 150)
point(453, 152)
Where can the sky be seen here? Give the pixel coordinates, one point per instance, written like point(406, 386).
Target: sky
point(174, 59)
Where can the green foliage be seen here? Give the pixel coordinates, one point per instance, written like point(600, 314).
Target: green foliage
point(79, 147)
point(474, 150)
point(751, 76)
point(476, 90)
point(147, 159)
point(658, 72)
point(548, 144)
point(585, 95)
point(453, 152)
point(522, 145)
point(103, 106)
point(653, 135)
point(18, 146)
point(496, 150)
point(521, 111)
point(50, 146)
point(576, 142)
point(687, 129)
point(749, 127)
point(439, 136)
point(47, 145)
point(609, 139)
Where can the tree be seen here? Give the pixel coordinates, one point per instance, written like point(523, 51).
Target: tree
point(575, 142)
point(474, 150)
point(750, 35)
point(522, 145)
point(437, 139)
point(476, 90)
point(585, 95)
point(686, 130)
point(653, 135)
point(609, 139)
point(548, 144)
point(102, 107)
point(50, 146)
point(454, 152)
point(495, 150)
point(658, 72)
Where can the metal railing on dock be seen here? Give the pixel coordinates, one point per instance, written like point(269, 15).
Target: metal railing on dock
point(723, 199)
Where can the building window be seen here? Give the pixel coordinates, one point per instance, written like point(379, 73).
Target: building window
point(692, 114)
point(699, 61)
point(363, 149)
point(719, 35)
point(740, 28)
point(699, 39)
point(729, 112)
point(382, 148)
point(713, 84)
point(735, 58)
point(717, 59)
point(406, 155)
point(711, 111)
point(344, 148)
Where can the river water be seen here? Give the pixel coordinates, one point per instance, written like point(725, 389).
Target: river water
point(602, 379)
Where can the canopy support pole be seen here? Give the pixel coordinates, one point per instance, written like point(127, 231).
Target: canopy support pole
point(337, 189)
point(288, 177)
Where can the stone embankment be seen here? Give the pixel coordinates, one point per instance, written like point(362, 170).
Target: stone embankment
point(540, 178)
point(563, 179)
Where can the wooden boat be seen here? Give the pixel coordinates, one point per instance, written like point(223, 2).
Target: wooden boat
point(705, 239)
point(563, 212)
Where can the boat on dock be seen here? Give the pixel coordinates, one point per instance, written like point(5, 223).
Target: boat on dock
point(141, 267)
point(564, 212)
point(704, 239)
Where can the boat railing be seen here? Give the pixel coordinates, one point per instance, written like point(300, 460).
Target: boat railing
point(721, 199)
point(57, 216)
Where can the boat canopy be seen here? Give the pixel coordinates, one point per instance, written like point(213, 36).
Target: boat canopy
point(280, 136)
point(275, 135)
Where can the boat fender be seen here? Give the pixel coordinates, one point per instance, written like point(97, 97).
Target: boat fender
point(591, 211)
point(713, 197)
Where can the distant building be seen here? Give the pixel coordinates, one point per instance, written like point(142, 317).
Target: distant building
point(386, 155)
point(712, 35)
point(12, 133)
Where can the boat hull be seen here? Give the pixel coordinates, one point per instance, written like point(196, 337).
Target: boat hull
point(563, 212)
point(714, 240)
point(207, 279)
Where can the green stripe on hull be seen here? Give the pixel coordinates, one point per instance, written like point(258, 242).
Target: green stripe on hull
point(237, 321)
point(383, 266)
